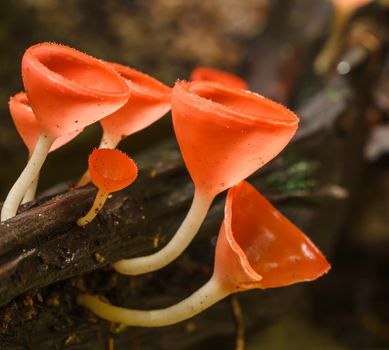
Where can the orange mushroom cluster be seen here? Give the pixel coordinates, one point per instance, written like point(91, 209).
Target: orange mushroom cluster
point(67, 90)
point(225, 133)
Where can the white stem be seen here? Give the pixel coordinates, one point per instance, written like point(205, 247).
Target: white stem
point(200, 300)
point(30, 172)
point(109, 141)
point(98, 203)
point(182, 238)
point(31, 191)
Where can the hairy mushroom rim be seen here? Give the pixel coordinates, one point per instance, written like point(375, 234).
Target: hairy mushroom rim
point(142, 83)
point(217, 75)
point(76, 71)
point(235, 103)
point(111, 169)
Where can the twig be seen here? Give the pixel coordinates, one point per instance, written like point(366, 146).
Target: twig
point(239, 323)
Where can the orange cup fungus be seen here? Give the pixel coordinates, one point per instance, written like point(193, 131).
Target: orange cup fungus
point(226, 134)
point(257, 247)
point(29, 131)
point(111, 171)
point(27, 125)
point(150, 100)
point(69, 90)
point(219, 76)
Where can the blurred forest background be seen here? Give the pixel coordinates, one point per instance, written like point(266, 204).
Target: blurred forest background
point(272, 45)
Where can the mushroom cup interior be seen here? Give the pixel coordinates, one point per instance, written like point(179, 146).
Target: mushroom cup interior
point(203, 73)
point(111, 170)
point(274, 247)
point(243, 102)
point(143, 83)
point(80, 69)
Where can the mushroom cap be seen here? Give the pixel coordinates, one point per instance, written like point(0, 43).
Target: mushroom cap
point(225, 134)
point(220, 76)
point(69, 90)
point(258, 247)
point(27, 125)
point(149, 101)
point(111, 170)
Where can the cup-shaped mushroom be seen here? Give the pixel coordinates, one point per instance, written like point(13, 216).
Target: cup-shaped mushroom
point(27, 125)
point(29, 130)
point(69, 90)
point(111, 171)
point(150, 100)
point(258, 247)
point(217, 75)
point(225, 134)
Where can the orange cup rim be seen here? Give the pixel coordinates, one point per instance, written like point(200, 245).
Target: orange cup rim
point(186, 92)
point(61, 82)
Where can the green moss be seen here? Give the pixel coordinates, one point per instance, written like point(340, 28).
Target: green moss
point(298, 176)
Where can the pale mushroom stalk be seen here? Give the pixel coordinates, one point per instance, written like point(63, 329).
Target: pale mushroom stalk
point(27, 177)
point(108, 141)
point(31, 191)
point(98, 203)
point(180, 241)
point(203, 298)
point(334, 42)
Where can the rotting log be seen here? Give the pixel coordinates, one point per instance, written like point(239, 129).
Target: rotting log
point(43, 247)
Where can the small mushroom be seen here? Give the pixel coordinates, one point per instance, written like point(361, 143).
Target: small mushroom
point(29, 130)
point(67, 90)
point(224, 134)
point(149, 101)
point(217, 75)
point(257, 248)
point(343, 11)
point(111, 171)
